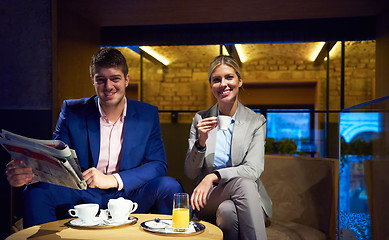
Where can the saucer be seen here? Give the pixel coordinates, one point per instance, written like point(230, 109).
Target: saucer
point(110, 222)
point(166, 228)
point(154, 224)
point(80, 223)
point(98, 223)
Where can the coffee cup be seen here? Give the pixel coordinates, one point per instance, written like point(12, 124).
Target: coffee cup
point(85, 212)
point(223, 122)
point(120, 209)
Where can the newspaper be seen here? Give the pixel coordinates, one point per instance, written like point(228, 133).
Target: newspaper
point(52, 161)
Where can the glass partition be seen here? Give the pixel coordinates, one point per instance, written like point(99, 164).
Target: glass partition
point(364, 165)
point(302, 97)
point(286, 81)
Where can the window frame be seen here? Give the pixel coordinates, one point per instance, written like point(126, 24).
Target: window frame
point(264, 109)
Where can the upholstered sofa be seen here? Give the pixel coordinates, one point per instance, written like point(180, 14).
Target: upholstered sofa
point(304, 195)
point(304, 192)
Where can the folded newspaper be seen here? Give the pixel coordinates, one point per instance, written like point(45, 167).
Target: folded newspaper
point(52, 161)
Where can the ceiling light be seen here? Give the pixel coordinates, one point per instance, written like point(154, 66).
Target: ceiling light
point(242, 56)
point(322, 55)
point(316, 50)
point(150, 51)
point(335, 51)
point(224, 51)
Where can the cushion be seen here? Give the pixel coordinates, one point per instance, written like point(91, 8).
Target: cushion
point(280, 230)
point(302, 192)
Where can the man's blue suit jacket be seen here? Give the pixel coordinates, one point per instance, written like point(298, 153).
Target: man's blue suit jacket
point(143, 153)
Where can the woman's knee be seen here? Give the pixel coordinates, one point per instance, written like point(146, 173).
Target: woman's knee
point(227, 219)
point(226, 213)
point(245, 185)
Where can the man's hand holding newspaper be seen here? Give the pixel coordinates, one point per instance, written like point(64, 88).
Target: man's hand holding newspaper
point(35, 160)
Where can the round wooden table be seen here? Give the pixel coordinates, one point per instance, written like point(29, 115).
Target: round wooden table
point(59, 230)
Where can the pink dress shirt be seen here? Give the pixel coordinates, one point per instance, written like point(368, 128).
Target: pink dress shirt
point(111, 142)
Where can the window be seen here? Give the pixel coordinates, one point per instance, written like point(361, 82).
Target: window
point(290, 122)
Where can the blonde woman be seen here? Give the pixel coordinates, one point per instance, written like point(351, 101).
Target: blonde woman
point(228, 164)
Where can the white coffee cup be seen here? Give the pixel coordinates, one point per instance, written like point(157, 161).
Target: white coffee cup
point(86, 212)
point(224, 122)
point(120, 209)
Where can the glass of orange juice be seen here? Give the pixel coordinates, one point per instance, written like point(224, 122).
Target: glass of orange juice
point(180, 212)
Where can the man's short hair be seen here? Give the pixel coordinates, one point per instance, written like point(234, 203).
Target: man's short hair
point(108, 58)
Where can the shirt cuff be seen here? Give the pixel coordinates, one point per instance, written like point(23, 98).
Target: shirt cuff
point(32, 182)
point(199, 148)
point(120, 181)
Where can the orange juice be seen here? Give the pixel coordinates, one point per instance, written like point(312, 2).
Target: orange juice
point(180, 218)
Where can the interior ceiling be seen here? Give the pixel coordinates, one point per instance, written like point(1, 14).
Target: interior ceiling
point(155, 12)
point(297, 51)
point(105, 13)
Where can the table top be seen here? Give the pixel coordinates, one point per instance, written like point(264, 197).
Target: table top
point(59, 230)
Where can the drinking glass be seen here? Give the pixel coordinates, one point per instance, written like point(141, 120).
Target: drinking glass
point(180, 212)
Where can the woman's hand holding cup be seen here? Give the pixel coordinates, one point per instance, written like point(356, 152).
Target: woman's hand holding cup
point(204, 126)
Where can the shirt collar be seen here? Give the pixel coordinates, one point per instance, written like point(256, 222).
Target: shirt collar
point(104, 116)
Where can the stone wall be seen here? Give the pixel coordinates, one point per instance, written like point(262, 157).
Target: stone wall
point(179, 87)
point(359, 75)
point(183, 86)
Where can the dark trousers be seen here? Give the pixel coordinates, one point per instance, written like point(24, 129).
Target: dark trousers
point(44, 202)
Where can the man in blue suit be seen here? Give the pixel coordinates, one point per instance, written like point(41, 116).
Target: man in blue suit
point(119, 148)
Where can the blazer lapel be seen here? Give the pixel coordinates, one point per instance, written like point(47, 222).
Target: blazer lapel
point(239, 130)
point(130, 131)
point(93, 125)
point(211, 141)
point(211, 147)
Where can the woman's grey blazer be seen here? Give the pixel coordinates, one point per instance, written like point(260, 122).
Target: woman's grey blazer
point(247, 150)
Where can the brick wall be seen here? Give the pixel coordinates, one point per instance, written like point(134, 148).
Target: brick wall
point(180, 86)
point(184, 86)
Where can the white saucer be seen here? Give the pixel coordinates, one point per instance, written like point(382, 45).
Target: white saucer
point(154, 224)
point(160, 227)
point(98, 223)
point(110, 222)
point(79, 223)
